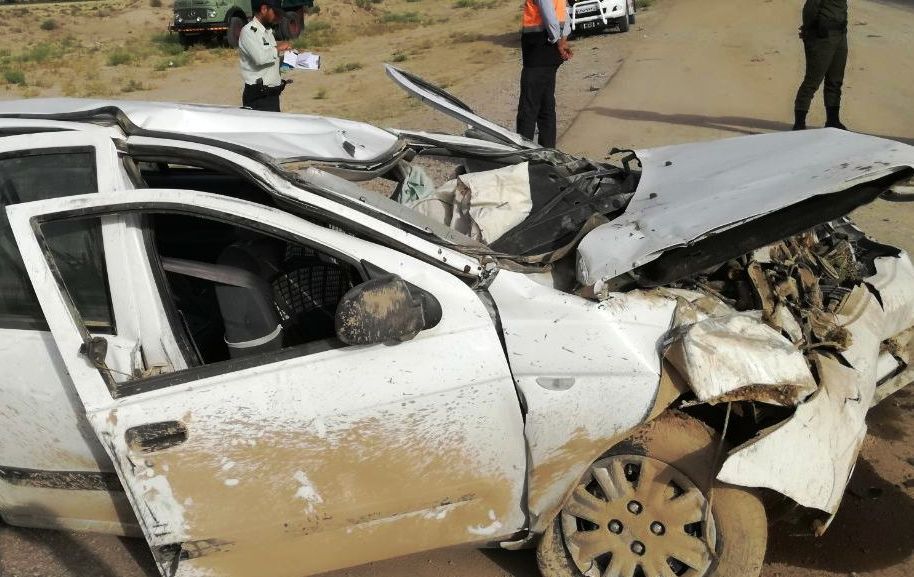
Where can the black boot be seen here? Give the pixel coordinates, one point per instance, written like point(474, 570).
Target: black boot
point(799, 122)
point(832, 117)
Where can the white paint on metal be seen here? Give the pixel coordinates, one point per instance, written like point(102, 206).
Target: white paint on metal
point(280, 136)
point(460, 411)
point(336, 189)
point(809, 457)
point(721, 356)
point(486, 531)
point(609, 352)
point(691, 191)
point(306, 491)
point(439, 101)
point(894, 281)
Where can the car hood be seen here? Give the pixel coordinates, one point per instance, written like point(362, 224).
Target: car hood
point(698, 205)
point(447, 103)
point(281, 137)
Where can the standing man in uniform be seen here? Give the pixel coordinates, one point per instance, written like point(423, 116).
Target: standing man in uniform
point(544, 47)
point(260, 57)
point(824, 34)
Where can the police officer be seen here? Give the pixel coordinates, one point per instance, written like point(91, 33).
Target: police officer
point(824, 34)
point(260, 57)
point(544, 46)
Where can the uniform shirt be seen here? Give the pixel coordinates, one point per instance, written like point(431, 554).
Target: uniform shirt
point(538, 47)
point(829, 11)
point(557, 25)
point(257, 54)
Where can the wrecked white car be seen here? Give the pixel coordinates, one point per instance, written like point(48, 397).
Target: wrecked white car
point(275, 345)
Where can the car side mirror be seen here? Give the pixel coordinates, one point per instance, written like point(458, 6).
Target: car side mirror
point(384, 309)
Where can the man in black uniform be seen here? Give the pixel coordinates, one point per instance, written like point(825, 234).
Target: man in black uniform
point(824, 34)
point(544, 46)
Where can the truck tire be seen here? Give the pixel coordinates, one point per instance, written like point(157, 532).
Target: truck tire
point(675, 453)
point(292, 24)
point(235, 24)
point(631, 13)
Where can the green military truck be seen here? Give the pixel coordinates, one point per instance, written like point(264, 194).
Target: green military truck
point(225, 18)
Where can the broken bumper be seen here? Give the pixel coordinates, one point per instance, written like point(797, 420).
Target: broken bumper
point(832, 361)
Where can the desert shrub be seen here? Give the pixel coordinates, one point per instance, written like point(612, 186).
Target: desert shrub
point(119, 56)
point(14, 76)
point(401, 18)
point(49, 24)
point(347, 67)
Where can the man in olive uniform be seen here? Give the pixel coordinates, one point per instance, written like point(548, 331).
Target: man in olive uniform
point(824, 34)
point(259, 57)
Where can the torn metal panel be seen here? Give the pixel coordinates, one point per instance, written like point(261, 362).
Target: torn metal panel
point(809, 457)
point(738, 357)
point(448, 104)
point(724, 183)
point(587, 373)
point(894, 284)
point(825, 433)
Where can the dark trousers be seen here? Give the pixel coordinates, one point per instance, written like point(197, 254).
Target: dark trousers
point(826, 57)
point(536, 107)
point(260, 97)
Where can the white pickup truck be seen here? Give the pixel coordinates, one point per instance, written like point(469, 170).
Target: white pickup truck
point(595, 15)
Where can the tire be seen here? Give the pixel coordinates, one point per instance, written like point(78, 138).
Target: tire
point(293, 24)
point(623, 22)
point(631, 13)
point(683, 450)
point(235, 24)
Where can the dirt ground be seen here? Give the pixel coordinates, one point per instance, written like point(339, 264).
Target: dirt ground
point(688, 70)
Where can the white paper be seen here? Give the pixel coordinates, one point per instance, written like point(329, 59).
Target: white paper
point(301, 60)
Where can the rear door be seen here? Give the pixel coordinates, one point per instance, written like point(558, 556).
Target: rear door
point(300, 460)
point(53, 472)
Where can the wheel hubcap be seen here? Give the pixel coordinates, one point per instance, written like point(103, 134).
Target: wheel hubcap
point(632, 513)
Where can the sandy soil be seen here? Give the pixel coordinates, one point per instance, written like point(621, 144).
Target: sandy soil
point(689, 70)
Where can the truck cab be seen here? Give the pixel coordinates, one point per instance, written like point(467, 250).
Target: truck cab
point(199, 19)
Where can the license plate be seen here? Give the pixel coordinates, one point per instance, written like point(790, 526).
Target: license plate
point(589, 25)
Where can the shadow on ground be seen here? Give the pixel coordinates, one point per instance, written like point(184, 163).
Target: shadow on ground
point(514, 563)
point(64, 553)
point(737, 124)
point(873, 530)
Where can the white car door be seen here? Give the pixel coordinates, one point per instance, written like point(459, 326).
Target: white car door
point(53, 472)
point(294, 462)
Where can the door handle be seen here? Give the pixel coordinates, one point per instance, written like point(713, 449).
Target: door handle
point(154, 437)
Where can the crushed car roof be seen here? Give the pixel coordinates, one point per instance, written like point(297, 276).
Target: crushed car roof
point(282, 137)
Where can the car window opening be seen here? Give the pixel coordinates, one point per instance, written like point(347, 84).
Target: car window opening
point(27, 176)
point(240, 292)
point(189, 176)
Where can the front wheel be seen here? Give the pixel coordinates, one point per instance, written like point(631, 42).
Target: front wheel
point(292, 25)
point(648, 510)
point(623, 22)
point(235, 24)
